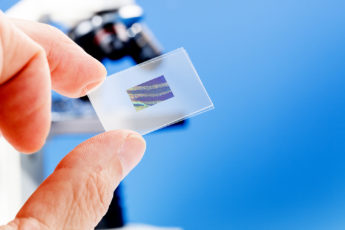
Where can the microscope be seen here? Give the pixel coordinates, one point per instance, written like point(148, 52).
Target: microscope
point(116, 33)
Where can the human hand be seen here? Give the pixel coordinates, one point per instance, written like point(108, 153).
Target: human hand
point(35, 58)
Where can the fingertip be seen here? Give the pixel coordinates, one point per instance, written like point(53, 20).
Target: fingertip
point(91, 74)
point(32, 137)
point(31, 147)
point(29, 144)
point(100, 76)
point(101, 68)
point(127, 146)
point(132, 152)
point(130, 148)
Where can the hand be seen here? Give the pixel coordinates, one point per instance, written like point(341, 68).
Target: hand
point(35, 58)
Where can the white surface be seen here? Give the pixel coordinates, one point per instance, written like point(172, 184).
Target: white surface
point(10, 182)
point(116, 111)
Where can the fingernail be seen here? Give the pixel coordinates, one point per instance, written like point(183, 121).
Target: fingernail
point(132, 151)
point(92, 87)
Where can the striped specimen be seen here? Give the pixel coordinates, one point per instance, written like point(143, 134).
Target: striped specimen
point(150, 93)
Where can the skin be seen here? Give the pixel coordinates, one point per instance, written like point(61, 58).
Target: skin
point(35, 58)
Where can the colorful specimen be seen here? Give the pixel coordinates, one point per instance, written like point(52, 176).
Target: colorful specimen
point(150, 93)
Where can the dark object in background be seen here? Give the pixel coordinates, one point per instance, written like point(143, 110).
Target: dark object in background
point(114, 217)
point(116, 34)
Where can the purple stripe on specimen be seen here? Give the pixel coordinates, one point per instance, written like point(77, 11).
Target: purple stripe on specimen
point(150, 91)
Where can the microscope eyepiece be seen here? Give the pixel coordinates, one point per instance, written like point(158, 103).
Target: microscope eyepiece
point(116, 34)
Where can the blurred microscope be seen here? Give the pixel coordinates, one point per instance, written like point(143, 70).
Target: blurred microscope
point(106, 29)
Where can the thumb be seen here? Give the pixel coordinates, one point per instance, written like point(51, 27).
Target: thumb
point(78, 193)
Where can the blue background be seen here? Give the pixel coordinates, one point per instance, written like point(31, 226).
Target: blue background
point(271, 156)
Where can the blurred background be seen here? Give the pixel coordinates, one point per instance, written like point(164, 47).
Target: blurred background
point(271, 155)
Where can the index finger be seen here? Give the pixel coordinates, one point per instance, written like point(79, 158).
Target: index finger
point(25, 82)
point(73, 71)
